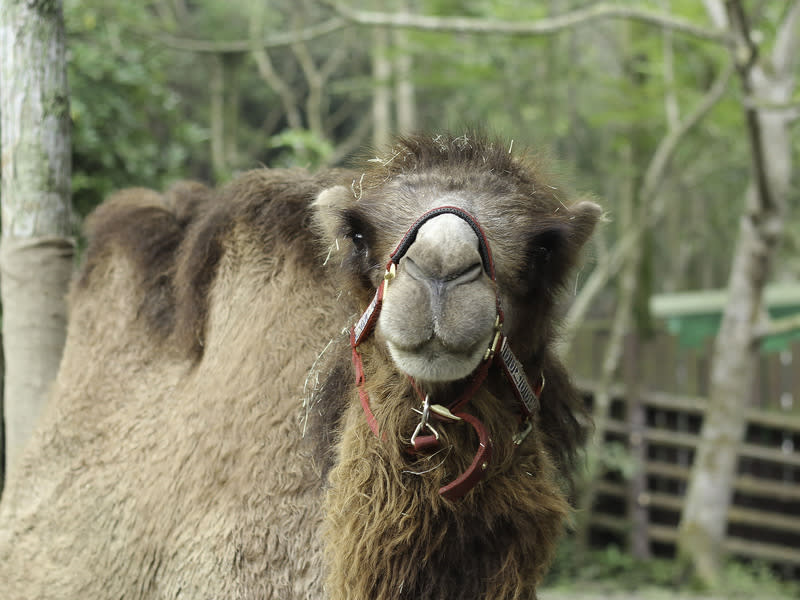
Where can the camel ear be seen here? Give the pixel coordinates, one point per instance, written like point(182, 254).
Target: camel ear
point(583, 217)
point(330, 205)
point(554, 250)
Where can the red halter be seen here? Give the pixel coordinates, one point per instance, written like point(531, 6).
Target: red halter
point(499, 350)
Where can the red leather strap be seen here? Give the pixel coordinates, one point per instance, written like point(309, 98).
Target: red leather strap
point(369, 318)
point(363, 395)
point(456, 489)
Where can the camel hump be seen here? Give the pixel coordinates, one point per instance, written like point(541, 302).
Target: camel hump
point(141, 229)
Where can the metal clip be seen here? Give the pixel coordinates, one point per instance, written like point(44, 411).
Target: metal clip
point(443, 411)
point(492, 349)
point(520, 436)
point(391, 272)
point(423, 423)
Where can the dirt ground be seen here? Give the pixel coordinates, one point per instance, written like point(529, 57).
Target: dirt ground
point(649, 594)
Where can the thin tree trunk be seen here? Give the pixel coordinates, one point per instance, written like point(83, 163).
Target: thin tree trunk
point(219, 165)
point(233, 70)
point(621, 326)
point(267, 70)
point(381, 95)
point(37, 247)
point(657, 205)
point(404, 85)
point(733, 369)
point(638, 511)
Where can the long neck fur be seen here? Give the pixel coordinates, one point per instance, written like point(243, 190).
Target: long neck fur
point(388, 532)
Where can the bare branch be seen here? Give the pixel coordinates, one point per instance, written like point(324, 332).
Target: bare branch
point(778, 327)
point(648, 193)
point(353, 142)
point(746, 55)
point(668, 69)
point(315, 84)
point(716, 12)
point(271, 76)
point(786, 51)
point(240, 46)
point(545, 26)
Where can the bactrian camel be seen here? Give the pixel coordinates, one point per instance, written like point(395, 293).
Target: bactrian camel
point(336, 385)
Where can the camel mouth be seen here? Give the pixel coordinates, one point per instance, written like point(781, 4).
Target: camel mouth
point(434, 362)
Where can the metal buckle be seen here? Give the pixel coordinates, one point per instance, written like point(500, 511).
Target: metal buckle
point(423, 423)
point(444, 412)
point(391, 272)
point(520, 436)
point(498, 334)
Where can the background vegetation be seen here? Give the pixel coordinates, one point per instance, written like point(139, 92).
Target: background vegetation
point(599, 97)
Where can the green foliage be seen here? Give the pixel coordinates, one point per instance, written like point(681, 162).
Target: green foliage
point(300, 148)
point(615, 457)
point(612, 570)
point(756, 580)
point(595, 94)
point(129, 125)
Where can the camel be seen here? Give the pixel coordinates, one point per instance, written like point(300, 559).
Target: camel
point(305, 385)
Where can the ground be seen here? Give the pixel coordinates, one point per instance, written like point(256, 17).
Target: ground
point(645, 594)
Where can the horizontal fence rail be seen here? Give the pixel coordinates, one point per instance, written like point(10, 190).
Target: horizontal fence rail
point(665, 418)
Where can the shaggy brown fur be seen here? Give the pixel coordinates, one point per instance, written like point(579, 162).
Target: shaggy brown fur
point(206, 399)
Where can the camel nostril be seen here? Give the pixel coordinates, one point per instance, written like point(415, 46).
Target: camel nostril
point(414, 271)
point(467, 275)
point(440, 281)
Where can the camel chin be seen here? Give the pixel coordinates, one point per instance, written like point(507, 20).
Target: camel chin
point(432, 362)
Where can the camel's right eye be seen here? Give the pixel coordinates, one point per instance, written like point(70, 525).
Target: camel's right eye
point(356, 230)
point(359, 242)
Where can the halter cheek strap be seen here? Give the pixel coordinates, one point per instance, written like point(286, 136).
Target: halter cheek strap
point(499, 351)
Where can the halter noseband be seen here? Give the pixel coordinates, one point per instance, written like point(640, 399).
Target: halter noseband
point(498, 351)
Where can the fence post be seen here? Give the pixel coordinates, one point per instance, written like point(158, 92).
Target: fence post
point(638, 498)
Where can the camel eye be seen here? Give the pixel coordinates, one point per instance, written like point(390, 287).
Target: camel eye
point(359, 242)
point(356, 230)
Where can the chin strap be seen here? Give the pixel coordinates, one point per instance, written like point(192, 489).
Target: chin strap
point(425, 437)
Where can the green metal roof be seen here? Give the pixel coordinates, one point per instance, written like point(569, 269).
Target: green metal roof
point(695, 316)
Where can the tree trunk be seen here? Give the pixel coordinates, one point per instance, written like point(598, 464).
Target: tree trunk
point(638, 500)
point(233, 69)
point(404, 85)
point(704, 518)
point(216, 89)
point(37, 248)
point(733, 368)
point(381, 95)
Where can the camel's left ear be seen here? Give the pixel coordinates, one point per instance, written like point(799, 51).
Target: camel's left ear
point(555, 247)
point(583, 217)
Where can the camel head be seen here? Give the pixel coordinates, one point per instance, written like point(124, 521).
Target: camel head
point(460, 234)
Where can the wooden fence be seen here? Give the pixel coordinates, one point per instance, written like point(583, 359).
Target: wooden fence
point(656, 413)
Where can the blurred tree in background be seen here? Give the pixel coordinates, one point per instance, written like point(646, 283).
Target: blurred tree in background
point(169, 88)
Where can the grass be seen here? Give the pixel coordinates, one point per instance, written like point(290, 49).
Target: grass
point(613, 573)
